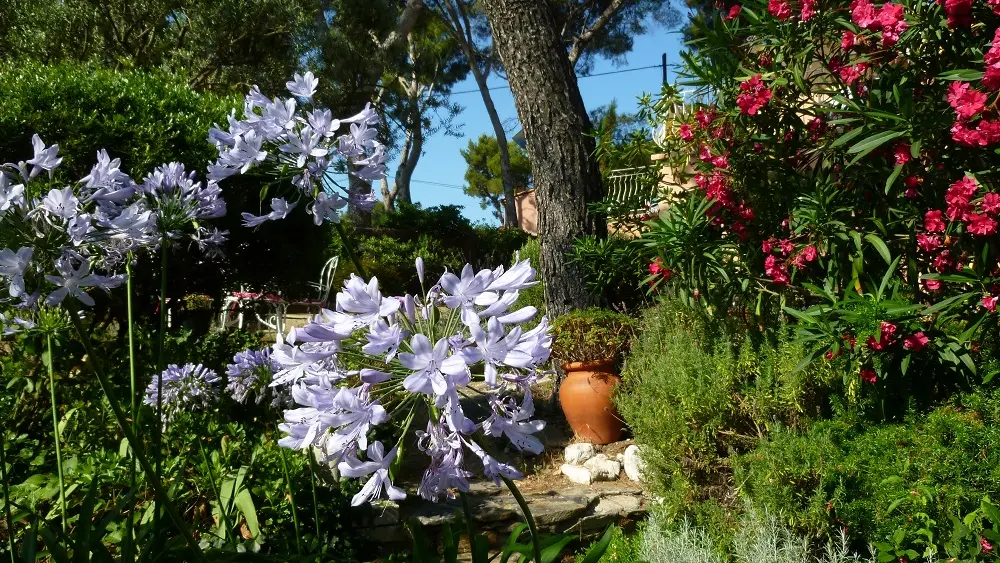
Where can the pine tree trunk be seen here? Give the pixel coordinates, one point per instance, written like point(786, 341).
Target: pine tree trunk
point(555, 125)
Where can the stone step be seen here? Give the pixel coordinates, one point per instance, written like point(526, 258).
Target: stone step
point(581, 511)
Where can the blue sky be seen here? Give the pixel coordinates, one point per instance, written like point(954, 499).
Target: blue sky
point(442, 164)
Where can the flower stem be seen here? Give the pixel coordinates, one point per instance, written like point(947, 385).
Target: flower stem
point(346, 243)
point(55, 430)
point(123, 424)
point(160, 355)
point(312, 481)
point(133, 470)
point(291, 500)
point(6, 495)
point(535, 541)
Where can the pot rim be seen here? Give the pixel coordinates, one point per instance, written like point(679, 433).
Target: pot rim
point(605, 366)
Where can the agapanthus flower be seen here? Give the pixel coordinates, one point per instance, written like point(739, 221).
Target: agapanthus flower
point(377, 465)
point(287, 138)
point(250, 376)
point(184, 388)
point(416, 353)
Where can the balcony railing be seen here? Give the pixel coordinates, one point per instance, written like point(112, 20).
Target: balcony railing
point(633, 186)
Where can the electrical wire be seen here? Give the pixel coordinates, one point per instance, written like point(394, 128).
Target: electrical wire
point(579, 76)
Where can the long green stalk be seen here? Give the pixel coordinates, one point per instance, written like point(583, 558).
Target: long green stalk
point(127, 552)
point(312, 480)
point(160, 355)
point(159, 491)
point(6, 495)
point(535, 541)
point(346, 243)
point(55, 430)
point(291, 499)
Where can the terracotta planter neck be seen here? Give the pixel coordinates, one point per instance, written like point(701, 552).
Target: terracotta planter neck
point(606, 365)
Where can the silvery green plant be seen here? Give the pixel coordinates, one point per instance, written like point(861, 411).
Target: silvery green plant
point(374, 361)
point(300, 143)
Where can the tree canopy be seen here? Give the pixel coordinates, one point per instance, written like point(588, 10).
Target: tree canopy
point(483, 173)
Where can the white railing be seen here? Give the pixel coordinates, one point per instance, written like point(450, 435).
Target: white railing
point(631, 185)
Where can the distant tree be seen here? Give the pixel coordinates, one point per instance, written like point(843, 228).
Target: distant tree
point(623, 141)
point(221, 45)
point(417, 101)
point(483, 174)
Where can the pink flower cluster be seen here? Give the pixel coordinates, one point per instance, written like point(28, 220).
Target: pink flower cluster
point(755, 95)
point(969, 102)
point(888, 20)
point(979, 216)
point(778, 251)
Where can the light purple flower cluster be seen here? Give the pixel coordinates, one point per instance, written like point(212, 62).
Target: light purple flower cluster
point(250, 374)
point(285, 136)
point(377, 359)
point(185, 388)
point(74, 238)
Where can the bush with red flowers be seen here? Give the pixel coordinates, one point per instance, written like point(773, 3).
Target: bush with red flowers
point(847, 173)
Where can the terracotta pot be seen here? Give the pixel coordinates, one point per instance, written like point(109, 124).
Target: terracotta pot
point(585, 396)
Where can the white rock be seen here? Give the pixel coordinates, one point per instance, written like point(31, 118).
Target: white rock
point(576, 473)
point(576, 454)
point(633, 463)
point(603, 469)
point(618, 504)
point(620, 457)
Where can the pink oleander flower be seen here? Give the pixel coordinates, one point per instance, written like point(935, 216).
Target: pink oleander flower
point(966, 101)
point(933, 222)
point(916, 342)
point(868, 375)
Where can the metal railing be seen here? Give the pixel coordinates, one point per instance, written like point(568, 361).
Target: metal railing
point(632, 186)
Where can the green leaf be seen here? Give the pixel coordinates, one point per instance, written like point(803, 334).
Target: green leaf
point(875, 141)
point(85, 523)
point(554, 551)
point(847, 137)
point(599, 548)
point(880, 246)
point(892, 178)
point(905, 364)
point(963, 74)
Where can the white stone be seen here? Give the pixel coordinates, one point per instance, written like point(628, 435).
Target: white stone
point(576, 473)
point(576, 454)
point(620, 457)
point(633, 463)
point(618, 504)
point(603, 469)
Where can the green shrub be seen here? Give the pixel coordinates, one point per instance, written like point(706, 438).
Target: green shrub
point(694, 398)
point(613, 270)
point(624, 548)
point(845, 471)
point(534, 295)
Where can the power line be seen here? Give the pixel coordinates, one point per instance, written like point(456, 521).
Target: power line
point(578, 76)
point(439, 184)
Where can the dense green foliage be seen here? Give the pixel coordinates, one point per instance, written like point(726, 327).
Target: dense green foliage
point(614, 269)
point(440, 235)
